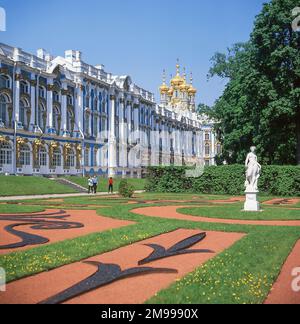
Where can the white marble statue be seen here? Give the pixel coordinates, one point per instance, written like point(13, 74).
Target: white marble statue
point(253, 171)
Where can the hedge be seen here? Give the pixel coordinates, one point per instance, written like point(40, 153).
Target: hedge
point(224, 180)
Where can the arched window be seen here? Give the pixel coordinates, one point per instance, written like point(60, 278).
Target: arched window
point(24, 87)
point(5, 154)
point(56, 157)
point(95, 128)
point(87, 157)
point(25, 155)
point(71, 159)
point(207, 149)
point(55, 96)
point(43, 157)
point(23, 117)
point(4, 81)
point(41, 117)
point(207, 136)
point(70, 118)
point(70, 100)
point(42, 92)
point(3, 109)
point(56, 116)
point(87, 124)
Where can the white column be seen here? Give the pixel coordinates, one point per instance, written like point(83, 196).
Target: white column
point(123, 138)
point(112, 138)
point(33, 103)
point(129, 121)
point(50, 106)
point(79, 109)
point(16, 116)
point(64, 110)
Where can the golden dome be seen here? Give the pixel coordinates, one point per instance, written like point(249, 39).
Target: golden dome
point(184, 87)
point(171, 92)
point(164, 88)
point(192, 90)
point(178, 80)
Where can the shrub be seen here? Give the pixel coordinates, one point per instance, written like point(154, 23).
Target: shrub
point(274, 180)
point(126, 190)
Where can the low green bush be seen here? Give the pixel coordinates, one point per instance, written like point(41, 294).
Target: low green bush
point(224, 180)
point(126, 190)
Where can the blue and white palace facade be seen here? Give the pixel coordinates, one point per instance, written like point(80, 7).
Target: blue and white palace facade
point(62, 116)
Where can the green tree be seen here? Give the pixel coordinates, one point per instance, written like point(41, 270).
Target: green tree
point(261, 102)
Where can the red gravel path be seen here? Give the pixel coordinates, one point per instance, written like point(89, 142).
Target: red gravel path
point(89, 218)
point(171, 213)
point(282, 292)
point(135, 290)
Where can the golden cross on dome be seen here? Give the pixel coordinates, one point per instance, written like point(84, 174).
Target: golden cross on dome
point(164, 76)
point(178, 67)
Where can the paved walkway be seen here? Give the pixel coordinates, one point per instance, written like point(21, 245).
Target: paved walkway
point(13, 198)
point(171, 212)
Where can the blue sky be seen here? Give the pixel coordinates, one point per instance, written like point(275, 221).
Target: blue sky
point(135, 37)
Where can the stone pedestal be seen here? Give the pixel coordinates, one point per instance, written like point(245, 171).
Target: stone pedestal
point(252, 204)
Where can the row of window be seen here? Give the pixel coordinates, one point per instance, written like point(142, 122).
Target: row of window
point(25, 156)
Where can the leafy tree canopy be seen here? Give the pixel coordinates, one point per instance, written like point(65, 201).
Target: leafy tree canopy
point(261, 103)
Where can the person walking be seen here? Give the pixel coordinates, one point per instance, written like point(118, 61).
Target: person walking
point(111, 185)
point(90, 184)
point(95, 184)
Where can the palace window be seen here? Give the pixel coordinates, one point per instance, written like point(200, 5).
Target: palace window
point(70, 100)
point(86, 157)
point(24, 88)
point(70, 117)
point(57, 157)
point(56, 116)
point(25, 155)
point(70, 160)
point(207, 163)
point(3, 109)
point(55, 96)
point(87, 124)
point(207, 137)
point(42, 92)
point(5, 154)
point(95, 126)
point(207, 149)
point(95, 152)
point(41, 113)
point(4, 81)
point(22, 113)
point(87, 102)
point(42, 157)
point(219, 149)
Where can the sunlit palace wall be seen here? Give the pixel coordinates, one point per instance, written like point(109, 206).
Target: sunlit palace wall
point(61, 116)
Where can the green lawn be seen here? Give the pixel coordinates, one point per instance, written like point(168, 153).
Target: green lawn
point(235, 212)
point(16, 209)
point(244, 273)
point(179, 196)
point(139, 184)
point(23, 186)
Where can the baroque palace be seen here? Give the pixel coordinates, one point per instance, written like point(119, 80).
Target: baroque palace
point(61, 116)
